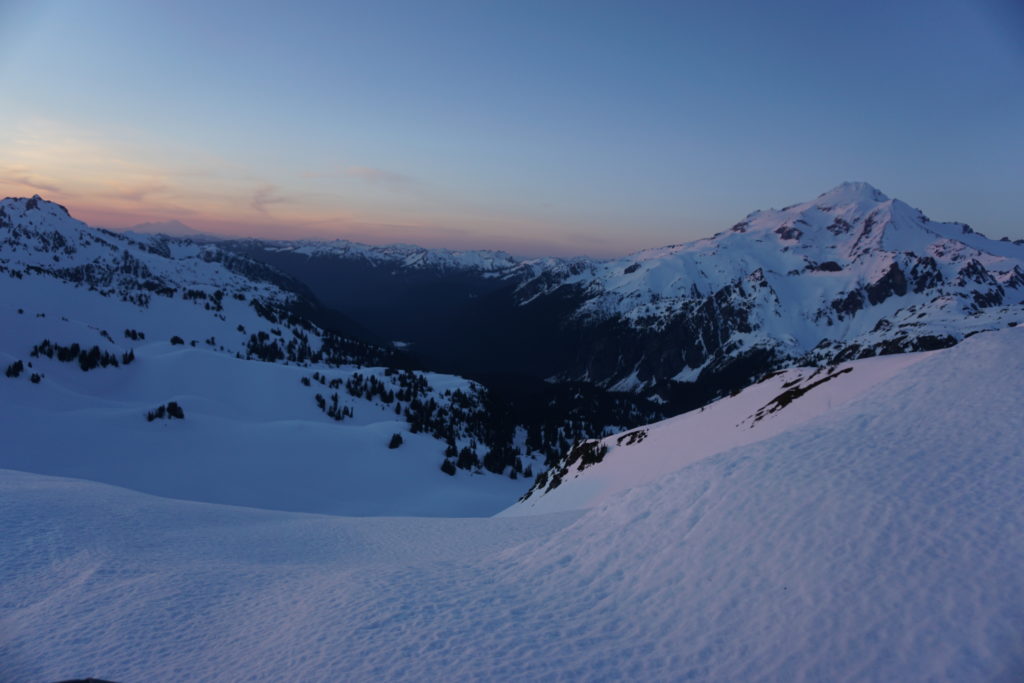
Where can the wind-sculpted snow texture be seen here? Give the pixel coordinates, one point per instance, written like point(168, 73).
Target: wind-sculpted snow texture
point(880, 540)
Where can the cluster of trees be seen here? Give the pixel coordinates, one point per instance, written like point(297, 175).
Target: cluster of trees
point(212, 302)
point(134, 335)
point(332, 409)
point(334, 348)
point(15, 369)
point(88, 359)
point(460, 417)
point(261, 347)
point(170, 410)
point(586, 453)
point(480, 427)
point(565, 415)
point(299, 347)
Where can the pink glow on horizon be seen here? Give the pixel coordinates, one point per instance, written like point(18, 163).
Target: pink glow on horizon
point(126, 211)
point(108, 183)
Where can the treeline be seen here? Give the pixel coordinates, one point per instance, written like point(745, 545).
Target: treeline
point(297, 347)
point(459, 417)
point(481, 429)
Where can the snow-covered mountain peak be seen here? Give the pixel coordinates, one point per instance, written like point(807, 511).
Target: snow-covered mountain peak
point(36, 212)
point(848, 274)
point(851, 193)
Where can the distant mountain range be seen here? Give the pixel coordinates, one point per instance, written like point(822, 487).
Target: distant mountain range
point(556, 350)
point(849, 274)
point(114, 336)
point(173, 228)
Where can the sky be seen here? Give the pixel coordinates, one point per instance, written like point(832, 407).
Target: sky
point(539, 127)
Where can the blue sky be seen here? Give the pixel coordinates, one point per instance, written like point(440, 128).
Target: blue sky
point(539, 127)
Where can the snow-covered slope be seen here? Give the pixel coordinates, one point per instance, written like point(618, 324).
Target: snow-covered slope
point(881, 540)
point(57, 264)
point(849, 274)
point(99, 329)
point(253, 433)
point(597, 469)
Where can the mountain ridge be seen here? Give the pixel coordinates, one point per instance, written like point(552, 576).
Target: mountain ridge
point(77, 299)
point(848, 274)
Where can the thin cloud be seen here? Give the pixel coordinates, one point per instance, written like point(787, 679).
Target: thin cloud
point(30, 182)
point(265, 196)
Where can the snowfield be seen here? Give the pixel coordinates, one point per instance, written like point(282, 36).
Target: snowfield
point(252, 434)
point(881, 539)
point(202, 327)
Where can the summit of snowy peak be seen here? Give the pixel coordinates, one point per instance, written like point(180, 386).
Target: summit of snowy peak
point(34, 213)
point(33, 203)
point(852, 192)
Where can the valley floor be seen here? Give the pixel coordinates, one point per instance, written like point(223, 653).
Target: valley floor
point(881, 541)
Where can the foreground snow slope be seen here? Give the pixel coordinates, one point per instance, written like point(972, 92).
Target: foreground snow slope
point(881, 540)
point(777, 404)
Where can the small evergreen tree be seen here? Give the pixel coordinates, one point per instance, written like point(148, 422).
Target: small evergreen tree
point(467, 459)
point(396, 441)
point(15, 369)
